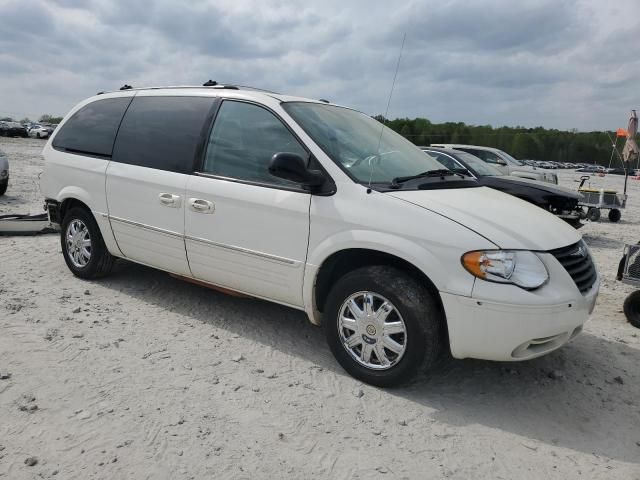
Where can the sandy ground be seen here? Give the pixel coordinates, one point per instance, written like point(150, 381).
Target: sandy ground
point(142, 376)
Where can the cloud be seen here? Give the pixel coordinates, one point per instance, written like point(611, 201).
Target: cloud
point(558, 64)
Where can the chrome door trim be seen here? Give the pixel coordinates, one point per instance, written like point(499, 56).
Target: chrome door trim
point(246, 251)
point(147, 227)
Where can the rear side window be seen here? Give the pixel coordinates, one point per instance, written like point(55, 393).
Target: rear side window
point(162, 132)
point(92, 129)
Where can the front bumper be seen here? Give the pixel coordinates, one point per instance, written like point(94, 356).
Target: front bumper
point(531, 324)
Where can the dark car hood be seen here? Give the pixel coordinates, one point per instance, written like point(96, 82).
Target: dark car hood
point(525, 186)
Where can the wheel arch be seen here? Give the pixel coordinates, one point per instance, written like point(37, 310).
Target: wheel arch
point(346, 260)
point(72, 202)
point(72, 195)
point(343, 261)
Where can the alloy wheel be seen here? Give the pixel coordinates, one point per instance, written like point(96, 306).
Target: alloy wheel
point(78, 241)
point(372, 330)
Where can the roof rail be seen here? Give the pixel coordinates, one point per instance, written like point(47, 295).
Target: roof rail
point(209, 84)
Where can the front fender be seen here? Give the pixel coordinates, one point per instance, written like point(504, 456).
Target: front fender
point(437, 262)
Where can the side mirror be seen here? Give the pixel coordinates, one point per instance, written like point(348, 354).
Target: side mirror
point(293, 167)
point(502, 162)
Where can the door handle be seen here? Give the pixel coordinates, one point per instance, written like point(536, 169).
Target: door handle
point(169, 200)
point(201, 206)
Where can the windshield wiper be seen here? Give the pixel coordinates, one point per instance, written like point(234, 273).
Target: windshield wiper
point(442, 172)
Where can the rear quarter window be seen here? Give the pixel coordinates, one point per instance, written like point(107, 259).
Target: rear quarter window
point(163, 132)
point(92, 129)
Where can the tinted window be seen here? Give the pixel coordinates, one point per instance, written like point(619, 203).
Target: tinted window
point(485, 155)
point(92, 129)
point(243, 140)
point(162, 132)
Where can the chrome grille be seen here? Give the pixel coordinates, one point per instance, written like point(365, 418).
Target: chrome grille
point(578, 263)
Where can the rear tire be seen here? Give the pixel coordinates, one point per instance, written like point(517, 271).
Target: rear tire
point(85, 260)
point(408, 309)
point(631, 308)
point(615, 215)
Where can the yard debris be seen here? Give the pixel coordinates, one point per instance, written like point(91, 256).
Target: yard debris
point(31, 461)
point(26, 403)
point(556, 374)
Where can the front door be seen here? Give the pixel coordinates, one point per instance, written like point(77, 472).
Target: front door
point(245, 229)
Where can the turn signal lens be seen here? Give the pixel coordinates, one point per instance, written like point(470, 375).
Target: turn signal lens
point(517, 267)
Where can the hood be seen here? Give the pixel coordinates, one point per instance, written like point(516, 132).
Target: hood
point(527, 183)
point(503, 219)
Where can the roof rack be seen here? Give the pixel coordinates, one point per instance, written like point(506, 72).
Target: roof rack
point(208, 84)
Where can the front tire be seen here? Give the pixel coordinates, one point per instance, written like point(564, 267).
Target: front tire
point(3, 186)
point(83, 248)
point(382, 325)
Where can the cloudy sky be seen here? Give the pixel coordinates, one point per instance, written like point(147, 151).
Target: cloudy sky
point(563, 64)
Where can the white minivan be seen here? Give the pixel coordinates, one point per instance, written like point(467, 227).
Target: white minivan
point(320, 208)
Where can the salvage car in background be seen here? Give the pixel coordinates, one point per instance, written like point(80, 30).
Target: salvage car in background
point(504, 162)
point(560, 201)
point(38, 131)
point(320, 208)
point(12, 129)
point(4, 173)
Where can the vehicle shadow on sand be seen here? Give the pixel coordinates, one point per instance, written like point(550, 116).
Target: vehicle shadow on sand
point(569, 398)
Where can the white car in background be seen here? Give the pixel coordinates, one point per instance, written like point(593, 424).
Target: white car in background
point(504, 162)
point(38, 131)
point(320, 208)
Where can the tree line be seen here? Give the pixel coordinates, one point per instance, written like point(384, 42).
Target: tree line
point(43, 119)
point(523, 143)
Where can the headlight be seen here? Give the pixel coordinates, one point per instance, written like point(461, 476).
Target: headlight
point(4, 173)
point(517, 267)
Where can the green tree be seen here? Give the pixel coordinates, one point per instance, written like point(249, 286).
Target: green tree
point(50, 119)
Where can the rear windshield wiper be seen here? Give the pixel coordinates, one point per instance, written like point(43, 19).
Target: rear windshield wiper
point(442, 172)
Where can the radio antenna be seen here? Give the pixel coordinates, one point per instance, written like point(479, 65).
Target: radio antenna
point(386, 112)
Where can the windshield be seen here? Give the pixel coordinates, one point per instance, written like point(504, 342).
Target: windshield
point(481, 167)
point(353, 140)
point(510, 159)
